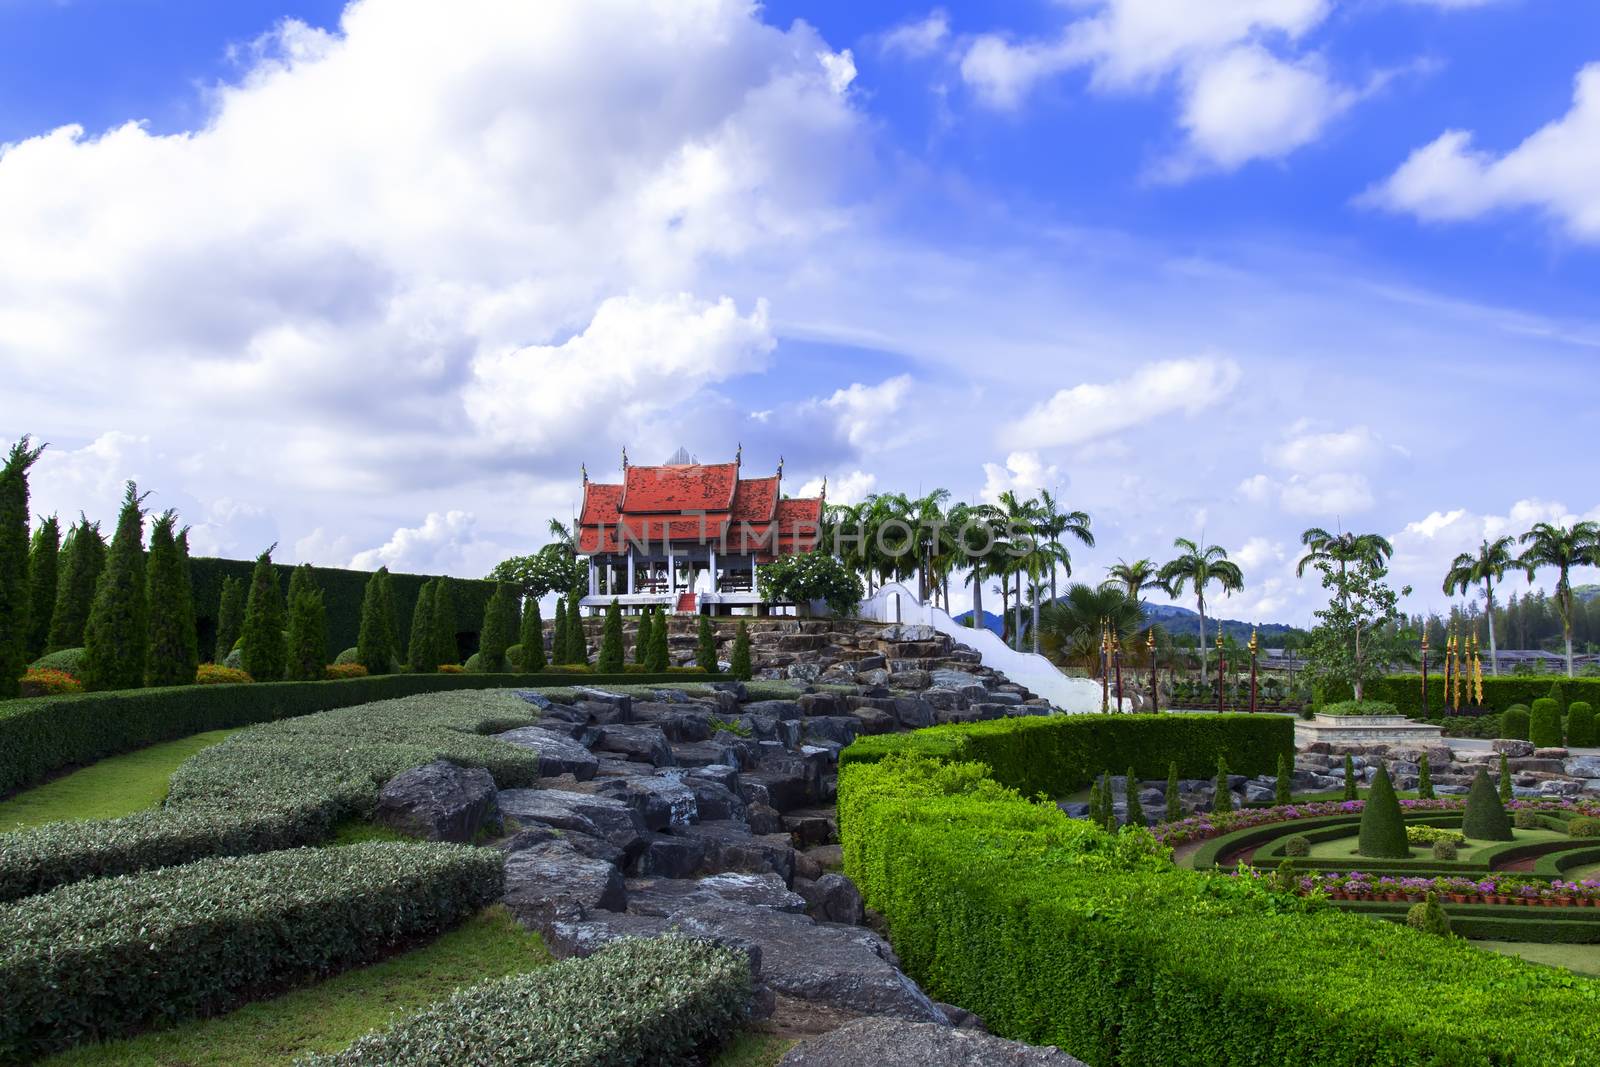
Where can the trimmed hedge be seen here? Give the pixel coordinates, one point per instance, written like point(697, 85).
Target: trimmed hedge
point(103, 958)
point(1061, 753)
point(1544, 723)
point(1580, 725)
point(1404, 691)
point(41, 735)
point(1056, 933)
point(276, 786)
point(643, 1002)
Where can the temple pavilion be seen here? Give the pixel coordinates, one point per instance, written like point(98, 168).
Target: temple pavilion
point(688, 536)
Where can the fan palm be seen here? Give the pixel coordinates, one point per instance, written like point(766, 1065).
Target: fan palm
point(1488, 566)
point(1199, 566)
point(1072, 625)
point(1561, 547)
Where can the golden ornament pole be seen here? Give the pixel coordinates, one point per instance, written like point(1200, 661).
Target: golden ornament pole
point(1222, 676)
point(1455, 670)
point(1105, 668)
point(1155, 690)
point(1424, 670)
point(1116, 655)
point(1477, 674)
point(1254, 645)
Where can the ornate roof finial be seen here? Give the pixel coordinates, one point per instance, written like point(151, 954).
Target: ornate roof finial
point(584, 468)
point(624, 457)
point(780, 466)
point(824, 495)
point(738, 454)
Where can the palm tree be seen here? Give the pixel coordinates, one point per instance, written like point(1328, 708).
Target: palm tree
point(1133, 577)
point(1563, 548)
point(1199, 566)
point(563, 536)
point(1072, 625)
point(1054, 524)
point(1022, 520)
point(1341, 548)
point(974, 535)
point(926, 516)
point(1488, 566)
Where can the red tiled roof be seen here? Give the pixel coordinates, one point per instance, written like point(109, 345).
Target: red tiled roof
point(696, 487)
point(755, 499)
point(599, 503)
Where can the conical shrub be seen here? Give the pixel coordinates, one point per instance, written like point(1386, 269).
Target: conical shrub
point(374, 649)
point(230, 618)
point(1485, 817)
point(495, 636)
point(1223, 798)
point(264, 654)
point(420, 648)
point(1424, 779)
point(739, 663)
point(171, 657)
point(1505, 780)
point(117, 633)
point(533, 659)
point(16, 629)
point(1349, 778)
point(577, 635)
point(308, 635)
point(659, 660)
point(1174, 799)
point(705, 648)
point(389, 611)
point(445, 648)
point(44, 555)
point(1383, 830)
point(1428, 917)
point(643, 635)
point(610, 659)
point(83, 557)
point(1282, 788)
point(1130, 790)
point(558, 633)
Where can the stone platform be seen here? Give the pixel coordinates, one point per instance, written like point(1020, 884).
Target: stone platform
point(1364, 729)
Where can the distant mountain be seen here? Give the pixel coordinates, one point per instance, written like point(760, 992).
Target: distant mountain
point(1180, 621)
point(990, 619)
point(1586, 593)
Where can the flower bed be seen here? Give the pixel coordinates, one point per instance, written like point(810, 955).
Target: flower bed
point(1213, 824)
point(1490, 889)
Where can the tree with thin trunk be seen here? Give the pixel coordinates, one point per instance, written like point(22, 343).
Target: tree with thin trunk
point(1200, 566)
point(1488, 566)
point(117, 634)
point(1342, 549)
point(1134, 578)
point(44, 554)
point(1022, 524)
point(1561, 547)
point(15, 627)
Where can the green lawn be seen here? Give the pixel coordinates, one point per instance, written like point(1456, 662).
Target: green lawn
point(1344, 848)
point(1584, 959)
point(751, 1048)
point(329, 1015)
point(118, 785)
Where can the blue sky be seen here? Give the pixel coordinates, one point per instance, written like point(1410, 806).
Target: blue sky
point(372, 282)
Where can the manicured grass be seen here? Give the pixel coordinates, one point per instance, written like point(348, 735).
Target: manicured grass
point(1588, 870)
point(751, 1048)
point(118, 785)
point(1583, 959)
point(1342, 848)
point(329, 1015)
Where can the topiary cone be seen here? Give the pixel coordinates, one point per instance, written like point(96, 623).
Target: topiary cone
point(1383, 831)
point(1485, 817)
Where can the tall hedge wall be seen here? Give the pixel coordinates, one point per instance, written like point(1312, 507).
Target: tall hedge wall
point(1060, 753)
point(1404, 691)
point(342, 592)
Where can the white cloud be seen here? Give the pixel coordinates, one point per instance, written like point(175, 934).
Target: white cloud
point(1316, 453)
point(445, 543)
point(1257, 489)
point(1331, 494)
point(1552, 171)
point(1259, 552)
point(1024, 473)
point(850, 489)
point(865, 413)
point(1003, 74)
point(919, 37)
point(91, 479)
point(1091, 410)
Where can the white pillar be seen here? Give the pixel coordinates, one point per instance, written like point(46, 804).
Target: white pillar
point(594, 578)
point(672, 573)
point(630, 570)
point(713, 567)
point(753, 586)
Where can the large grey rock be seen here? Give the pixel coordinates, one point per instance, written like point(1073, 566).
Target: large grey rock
point(832, 898)
point(439, 801)
point(671, 856)
point(547, 878)
point(896, 1043)
point(604, 817)
point(904, 633)
point(1511, 747)
point(730, 846)
point(645, 744)
point(659, 801)
point(620, 701)
point(557, 754)
point(1582, 766)
point(778, 709)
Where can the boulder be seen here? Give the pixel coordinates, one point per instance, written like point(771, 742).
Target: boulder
point(803, 672)
point(646, 744)
point(777, 709)
point(732, 847)
point(832, 898)
point(902, 633)
point(671, 856)
point(621, 701)
point(886, 1042)
point(659, 801)
point(1582, 766)
point(1511, 747)
point(558, 755)
point(547, 878)
point(910, 679)
point(439, 802)
point(604, 817)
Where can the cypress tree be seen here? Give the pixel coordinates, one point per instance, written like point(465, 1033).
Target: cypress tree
point(1135, 810)
point(187, 624)
point(739, 662)
point(1094, 803)
point(1282, 788)
point(1557, 694)
point(117, 634)
point(83, 557)
point(658, 645)
point(170, 654)
point(263, 653)
point(1505, 779)
point(1424, 779)
point(43, 560)
point(16, 630)
point(301, 580)
point(1485, 816)
point(558, 637)
point(373, 648)
point(495, 637)
point(230, 618)
point(1108, 803)
point(1223, 801)
point(1174, 801)
point(512, 617)
point(577, 635)
point(420, 649)
point(641, 639)
point(445, 647)
point(1349, 777)
point(308, 634)
point(1383, 831)
point(610, 659)
point(390, 614)
point(705, 650)
point(533, 660)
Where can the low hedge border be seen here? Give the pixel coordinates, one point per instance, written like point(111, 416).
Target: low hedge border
point(1057, 754)
point(1404, 691)
point(1488, 922)
point(104, 958)
point(276, 785)
point(1057, 933)
point(41, 735)
point(644, 1002)
point(1557, 865)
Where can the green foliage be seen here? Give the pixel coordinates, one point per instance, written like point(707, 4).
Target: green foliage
point(172, 654)
point(1445, 849)
point(1424, 779)
point(705, 649)
point(497, 633)
point(374, 648)
point(644, 633)
point(390, 613)
point(1058, 934)
point(1558, 695)
point(1297, 846)
point(532, 637)
point(117, 635)
point(817, 575)
point(1349, 777)
point(1130, 791)
point(1581, 725)
point(421, 648)
point(1383, 830)
point(1505, 779)
point(1544, 723)
point(1499, 694)
point(1284, 879)
point(1359, 707)
point(445, 648)
point(192, 940)
point(1360, 631)
point(83, 557)
point(1429, 918)
point(65, 659)
point(577, 637)
point(739, 663)
point(1222, 796)
point(558, 636)
point(308, 636)
point(264, 654)
point(230, 618)
point(1282, 792)
point(552, 569)
point(658, 644)
point(637, 1001)
point(44, 553)
point(1583, 826)
point(610, 659)
point(16, 627)
point(1485, 816)
point(1526, 819)
point(1174, 797)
